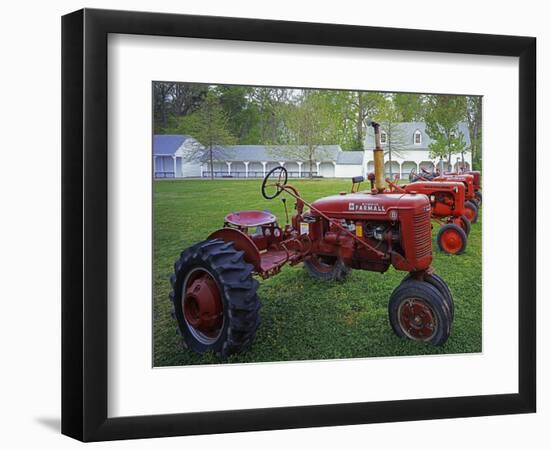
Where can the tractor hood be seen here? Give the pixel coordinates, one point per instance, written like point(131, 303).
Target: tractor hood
point(368, 204)
point(428, 187)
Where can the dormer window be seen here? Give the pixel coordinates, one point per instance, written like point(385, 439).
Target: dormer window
point(417, 137)
point(383, 137)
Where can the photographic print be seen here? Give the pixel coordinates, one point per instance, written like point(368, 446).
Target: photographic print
point(298, 224)
point(297, 219)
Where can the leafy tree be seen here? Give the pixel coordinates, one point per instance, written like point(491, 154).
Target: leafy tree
point(161, 101)
point(187, 97)
point(308, 128)
point(275, 116)
point(173, 100)
point(473, 117)
point(209, 126)
point(411, 107)
point(389, 118)
point(341, 115)
point(444, 113)
point(270, 104)
point(364, 105)
point(241, 112)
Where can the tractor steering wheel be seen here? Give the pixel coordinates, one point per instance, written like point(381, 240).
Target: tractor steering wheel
point(275, 178)
point(412, 175)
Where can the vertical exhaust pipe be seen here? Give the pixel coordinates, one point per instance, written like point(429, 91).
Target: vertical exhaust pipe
point(378, 157)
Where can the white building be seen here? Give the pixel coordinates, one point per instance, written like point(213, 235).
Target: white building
point(172, 157)
point(413, 150)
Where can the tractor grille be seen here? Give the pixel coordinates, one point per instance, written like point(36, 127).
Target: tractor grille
point(422, 234)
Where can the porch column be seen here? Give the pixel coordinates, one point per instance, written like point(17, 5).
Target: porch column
point(318, 169)
point(299, 168)
point(264, 163)
point(228, 167)
point(174, 159)
point(246, 168)
point(154, 166)
point(400, 170)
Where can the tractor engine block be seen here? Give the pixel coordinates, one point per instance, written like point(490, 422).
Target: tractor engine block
point(366, 230)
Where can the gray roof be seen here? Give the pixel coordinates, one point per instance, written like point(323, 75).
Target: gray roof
point(406, 132)
point(168, 144)
point(350, 157)
point(271, 153)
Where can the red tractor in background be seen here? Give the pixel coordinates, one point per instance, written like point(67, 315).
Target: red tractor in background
point(447, 201)
point(471, 204)
point(214, 294)
point(477, 182)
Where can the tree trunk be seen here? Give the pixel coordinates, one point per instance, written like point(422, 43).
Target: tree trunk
point(474, 144)
point(211, 163)
point(163, 114)
point(389, 160)
point(359, 121)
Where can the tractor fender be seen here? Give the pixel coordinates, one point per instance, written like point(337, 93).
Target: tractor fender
point(242, 242)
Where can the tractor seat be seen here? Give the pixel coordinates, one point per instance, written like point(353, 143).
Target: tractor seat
point(250, 218)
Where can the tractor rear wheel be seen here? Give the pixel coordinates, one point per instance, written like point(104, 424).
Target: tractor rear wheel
point(470, 211)
point(327, 268)
point(214, 298)
point(417, 311)
point(479, 197)
point(451, 239)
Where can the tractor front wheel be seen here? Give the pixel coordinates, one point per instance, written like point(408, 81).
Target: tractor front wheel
point(451, 239)
point(470, 211)
point(463, 223)
point(214, 299)
point(326, 268)
point(439, 283)
point(479, 197)
point(417, 311)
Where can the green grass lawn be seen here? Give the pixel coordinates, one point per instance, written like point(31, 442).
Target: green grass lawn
point(301, 318)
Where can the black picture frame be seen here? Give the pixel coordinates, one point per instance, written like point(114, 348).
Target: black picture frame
point(84, 224)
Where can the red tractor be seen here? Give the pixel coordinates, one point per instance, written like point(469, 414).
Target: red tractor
point(447, 201)
point(477, 182)
point(471, 204)
point(213, 286)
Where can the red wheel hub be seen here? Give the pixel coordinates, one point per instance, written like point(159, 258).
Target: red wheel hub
point(451, 241)
point(469, 213)
point(417, 319)
point(202, 304)
point(460, 223)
